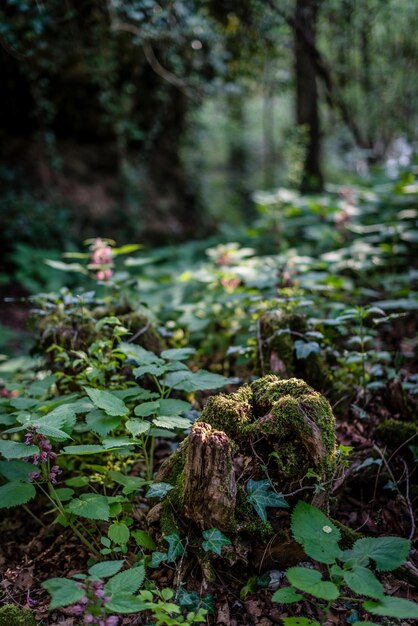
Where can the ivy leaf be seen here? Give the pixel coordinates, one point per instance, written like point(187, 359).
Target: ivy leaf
point(118, 533)
point(286, 595)
point(392, 607)
point(316, 533)
point(175, 546)
point(387, 552)
point(16, 493)
point(159, 490)
point(362, 581)
point(63, 592)
point(310, 581)
point(157, 558)
point(106, 568)
point(261, 495)
point(107, 401)
point(91, 506)
point(128, 581)
point(214, 541)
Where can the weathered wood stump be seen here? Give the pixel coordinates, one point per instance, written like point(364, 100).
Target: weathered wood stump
point(277, 430)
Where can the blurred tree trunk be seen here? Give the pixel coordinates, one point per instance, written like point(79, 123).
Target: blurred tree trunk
point(307, 105)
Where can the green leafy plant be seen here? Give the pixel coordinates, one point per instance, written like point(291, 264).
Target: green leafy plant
point(351, 569)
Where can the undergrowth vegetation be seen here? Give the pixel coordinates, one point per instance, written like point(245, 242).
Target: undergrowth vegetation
point(322, 289)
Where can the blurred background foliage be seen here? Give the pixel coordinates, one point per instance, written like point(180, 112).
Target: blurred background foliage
point(155, 121)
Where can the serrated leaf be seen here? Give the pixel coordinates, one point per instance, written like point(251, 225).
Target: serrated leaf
point(310, 581)
point(17, 470)
point(64, 493)
point(286, 595)
point(16, 450)
point(118, 533)
point(159, 490)
point(16, 493)
point(178, 354)
point(195, 381)
point(137, 427)
point(63, 592)
point(171, 406)
point(107, 401)
point(316, 533)
point(101, 423)
point(143, 539)
point(52, 433)
point(91, 506)
point(261, 496)
point(126, 603)
point(147, 408)
point(152, 369)
point(392, 607)
point(106, 568)
point(83, 449)
point(214, 541)
point(171, 422)
point(362, 581)
point(128, 581)
point(139, 354)
point(175, 547)
point(387, 552)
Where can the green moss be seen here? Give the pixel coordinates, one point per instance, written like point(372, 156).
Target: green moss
point(348, 535)
point(268, 389)
point(11, 615)
point(229, 413)
point(395, 432)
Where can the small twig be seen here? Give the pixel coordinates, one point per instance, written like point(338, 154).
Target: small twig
point(139, 332)
point(408, 501)
point(402, 445)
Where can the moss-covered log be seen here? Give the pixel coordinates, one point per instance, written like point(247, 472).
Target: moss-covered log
point(278, 431)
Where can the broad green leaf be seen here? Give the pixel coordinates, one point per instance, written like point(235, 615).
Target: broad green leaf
point(63, 592)
point(128, 581)
point(139, 354)
point(130, 484)
point(83, 449)
point(90, 505)
point(101, 423)
point(126, 603)
point(107, 401)
point(118, 533)
point(16, 493)
point(286, 595)
point(316, 533)
point(157, 558)
point(173, 407)
point(310, 581)
point(147, 408)
point(106, 568)
point(137, 427)
point(143, 539)
point(305, 348)
point(195, 381)
point(159, 490)
point(52, 433)
point(392, 607)
point(177, 354)
point(66, 267)
point(64, 493)
point(152, 369)
point(171, 422)
point(17, 470)
point(261, 496)
point(175, 547)
point(387, 552)
point(214, 541)
point(16, 450)
point(362, 581)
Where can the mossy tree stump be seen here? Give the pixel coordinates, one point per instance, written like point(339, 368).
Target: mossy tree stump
point(280, 431)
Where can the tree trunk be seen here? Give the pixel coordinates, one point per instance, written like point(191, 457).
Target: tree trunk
point(307, 113)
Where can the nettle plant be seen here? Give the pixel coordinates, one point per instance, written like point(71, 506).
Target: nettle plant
point(347, 575)
point(119, 426)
